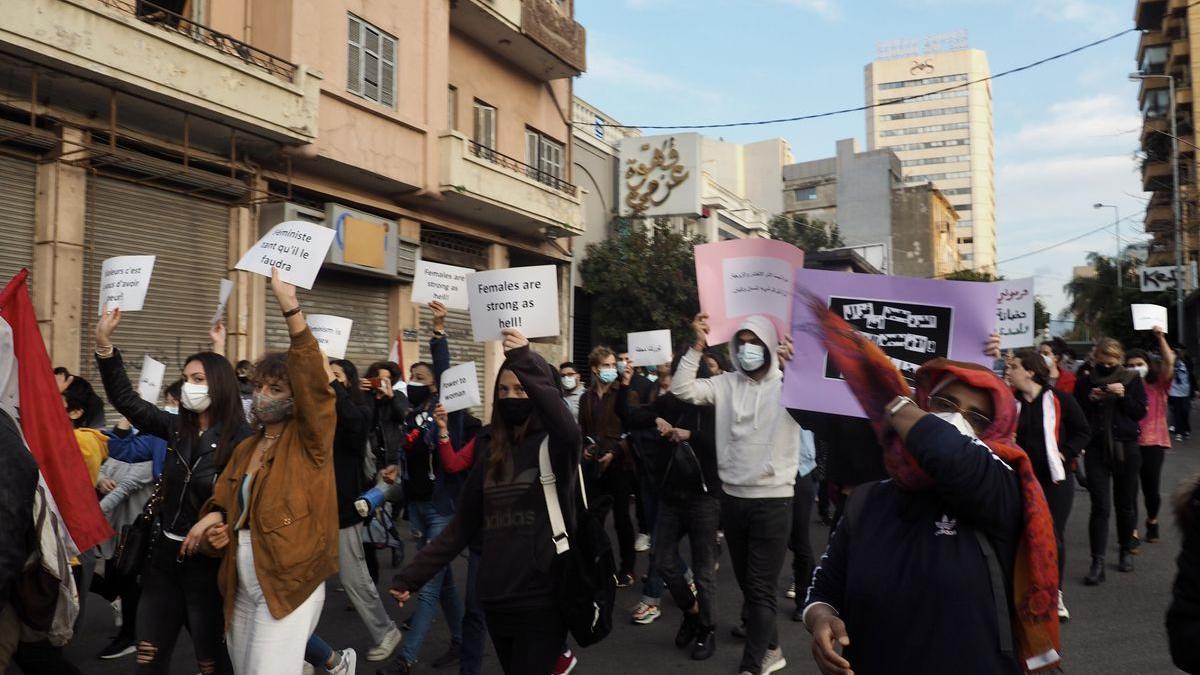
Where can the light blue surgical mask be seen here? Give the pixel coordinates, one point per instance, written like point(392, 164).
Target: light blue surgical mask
point(751, 357)
point(652, 377)
point(608, 375)
point(620, 367)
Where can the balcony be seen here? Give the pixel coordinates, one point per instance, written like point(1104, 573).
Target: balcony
point(1156, 175)
point(165, 58)
point(1159, 218)
point(1149, 14)
point(536, 35)
point(482, 184)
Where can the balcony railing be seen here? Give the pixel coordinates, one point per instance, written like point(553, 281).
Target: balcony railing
point(199, 33)
point(485, 153)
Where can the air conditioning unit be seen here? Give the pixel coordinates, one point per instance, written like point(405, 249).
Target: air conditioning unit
point(363, 242)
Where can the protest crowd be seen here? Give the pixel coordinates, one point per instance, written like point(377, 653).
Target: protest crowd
point(228, 502)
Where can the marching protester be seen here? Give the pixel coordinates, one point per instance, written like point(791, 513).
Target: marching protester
point(1183, 390)
point(179, 589)
point(1054, 354)
point(503, 501)
point(1154, 438)
point(649, 449)
point(758, 451)
point(389, 407)
point(1052, 430)
point(273, 512)
point(1114, 400)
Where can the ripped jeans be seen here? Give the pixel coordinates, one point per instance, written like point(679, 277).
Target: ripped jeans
point(175, 595)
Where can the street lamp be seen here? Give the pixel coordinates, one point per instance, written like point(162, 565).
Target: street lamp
point(1117, 230)
point(1175, 205)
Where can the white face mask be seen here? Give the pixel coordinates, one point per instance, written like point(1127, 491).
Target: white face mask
point(959, 422)
point(1141, 371)
point(652, 377)
point(1049, 360)
point(195, 397)
point(173, 409)
point(569, 382)
point(751, 357)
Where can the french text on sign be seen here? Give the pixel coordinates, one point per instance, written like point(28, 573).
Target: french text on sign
point(332, 333)
point(124, 281)
point(296, 248)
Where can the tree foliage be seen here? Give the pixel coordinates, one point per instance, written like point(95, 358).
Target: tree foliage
point(642, 278)
point(804, 235)
point(1097, 306)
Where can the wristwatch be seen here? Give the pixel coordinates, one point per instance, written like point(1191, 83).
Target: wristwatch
point(898, 404)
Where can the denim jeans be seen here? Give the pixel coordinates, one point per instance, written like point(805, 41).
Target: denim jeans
point(317, 652)
point(698, 517)
point(423, 516)
point(474, 623)
point(653, 588)
point(757, 531)
point(360, 589)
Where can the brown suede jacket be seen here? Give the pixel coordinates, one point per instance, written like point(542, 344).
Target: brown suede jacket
point(293, 517)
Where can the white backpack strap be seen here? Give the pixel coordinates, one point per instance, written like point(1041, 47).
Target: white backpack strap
point(549, 488)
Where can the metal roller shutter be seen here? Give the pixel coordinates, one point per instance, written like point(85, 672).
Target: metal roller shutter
point(463, 347)
point(363, 300)
point(190, 238)
point(18, 186)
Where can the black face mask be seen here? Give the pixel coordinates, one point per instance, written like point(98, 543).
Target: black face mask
point(514, 411)
point(1105, 371)
point(418, 394)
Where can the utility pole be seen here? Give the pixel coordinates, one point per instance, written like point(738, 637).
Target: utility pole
point(1117, 232)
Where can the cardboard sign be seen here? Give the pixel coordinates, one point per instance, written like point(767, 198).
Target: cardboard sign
point(459, 389)
point(743, 277)
point(333, 332)
point(445, 283)
point(525, 298)
point(150, 381)
point(222, 300)
point(1146, 317)
point(296, 248)
point(124, 281)
point(912, 320)
point(1014, 313)
point(650, 348)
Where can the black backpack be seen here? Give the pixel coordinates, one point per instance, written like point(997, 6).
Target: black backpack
point(587, 584)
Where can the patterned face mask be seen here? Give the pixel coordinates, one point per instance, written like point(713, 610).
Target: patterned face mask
point(271, 410)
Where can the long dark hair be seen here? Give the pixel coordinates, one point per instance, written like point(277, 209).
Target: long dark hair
point(351, 378)
point(226, 407)
point(1035, 364)
point(1153, 366)
point(504, 436)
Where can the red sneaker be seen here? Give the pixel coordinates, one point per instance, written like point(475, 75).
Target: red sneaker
point(566, 663)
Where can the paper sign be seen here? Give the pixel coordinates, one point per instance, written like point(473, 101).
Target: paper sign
point(296, 248)
point(459, 389)
point(525, 298)
point(332, 332)
point(650, 348)
point(743, 277)
point(444, 283)
point(124, 281)
point(1146, 317)
point(1014, 313)
point(222, 300)
point(150, 381)
point(912, 320)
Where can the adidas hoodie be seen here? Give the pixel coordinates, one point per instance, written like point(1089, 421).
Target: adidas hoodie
point(758, 442)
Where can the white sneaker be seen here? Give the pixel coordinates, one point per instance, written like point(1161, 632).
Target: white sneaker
point(348, 663)
point(383, 650)
point(642, 543)
point(791, 591)
point(309, 669)
point(773, 661)
point(645, 614)
point(1063, 615)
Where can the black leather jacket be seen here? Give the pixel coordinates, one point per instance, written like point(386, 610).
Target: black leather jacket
point(387, 429)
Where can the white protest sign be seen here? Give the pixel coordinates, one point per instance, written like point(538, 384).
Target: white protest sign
point(150, 381)
point(757, 285)
point(459, 389)
point(124, 281)
point(649, 348)
point(525, 298)
point(1014, 313)
point(222, 299)
point(445, 283)
point(332, 332)
point(1146, 317)
point(296, 248)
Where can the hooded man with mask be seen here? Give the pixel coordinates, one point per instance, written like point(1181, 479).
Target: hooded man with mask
point(758, 451)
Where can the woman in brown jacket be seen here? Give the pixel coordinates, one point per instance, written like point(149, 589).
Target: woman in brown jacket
point(273, 513)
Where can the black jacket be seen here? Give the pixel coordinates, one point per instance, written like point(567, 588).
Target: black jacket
point(349, 454)
point(191, 466)
point(1074, 432)
point(852, 451)
point(1183, 615)
point(1128, 410)
point(386, 431)
point(913, 559)
point(657, 453)
point(18, 482)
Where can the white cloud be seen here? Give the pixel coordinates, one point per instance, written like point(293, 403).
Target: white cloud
point(1101, 120)
point(1077, 11)
point(825, 8)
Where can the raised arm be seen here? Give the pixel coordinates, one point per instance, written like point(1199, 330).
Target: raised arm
point(309, 374)
point(1168, 355)
point(684, 382)
point(142, 414)
point(538, 380)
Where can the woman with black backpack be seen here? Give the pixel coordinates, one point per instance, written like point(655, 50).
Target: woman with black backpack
point(504, 501)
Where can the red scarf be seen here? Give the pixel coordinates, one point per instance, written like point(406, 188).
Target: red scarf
point(875, 382)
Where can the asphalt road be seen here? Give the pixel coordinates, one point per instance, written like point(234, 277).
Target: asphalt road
point(1115, 628)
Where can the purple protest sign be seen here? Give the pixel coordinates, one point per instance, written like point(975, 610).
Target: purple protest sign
point(912, 320)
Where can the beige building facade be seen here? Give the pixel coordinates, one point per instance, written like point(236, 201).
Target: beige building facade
point(941, 134)
point(443, 127)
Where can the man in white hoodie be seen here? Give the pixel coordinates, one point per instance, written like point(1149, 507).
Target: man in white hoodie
point(758, 451)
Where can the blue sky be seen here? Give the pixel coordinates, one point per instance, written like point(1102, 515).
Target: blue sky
point(1065, 132)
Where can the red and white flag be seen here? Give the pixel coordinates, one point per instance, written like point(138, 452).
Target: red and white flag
point(44, 420)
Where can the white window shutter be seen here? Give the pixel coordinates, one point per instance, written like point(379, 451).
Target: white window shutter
point(387, 72)
point(354, 57)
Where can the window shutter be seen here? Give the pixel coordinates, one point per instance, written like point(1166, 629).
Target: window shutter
point(532, 142)
point(354, 57)
point(387, 72)
point(371, 63)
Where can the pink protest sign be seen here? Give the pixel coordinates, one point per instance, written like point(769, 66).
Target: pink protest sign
point(743, 277)
point(911, 320)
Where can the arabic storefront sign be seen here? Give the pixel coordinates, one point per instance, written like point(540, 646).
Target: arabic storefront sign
point(660, 175)
point(1014, 313)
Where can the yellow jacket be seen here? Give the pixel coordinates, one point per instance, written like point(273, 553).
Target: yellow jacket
point(93, 444)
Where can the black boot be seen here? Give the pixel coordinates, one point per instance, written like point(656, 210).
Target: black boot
point(798, 614)
point(1151, 532)
point(1125, 563)
point(1095, 575)
point(688, 630)
point(706, 644)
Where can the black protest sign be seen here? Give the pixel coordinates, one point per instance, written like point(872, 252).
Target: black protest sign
point(908, 334)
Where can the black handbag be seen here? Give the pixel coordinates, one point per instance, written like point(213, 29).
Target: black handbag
point(138, 536)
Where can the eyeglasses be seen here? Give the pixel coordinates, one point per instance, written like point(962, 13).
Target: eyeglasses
point(978, 422)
